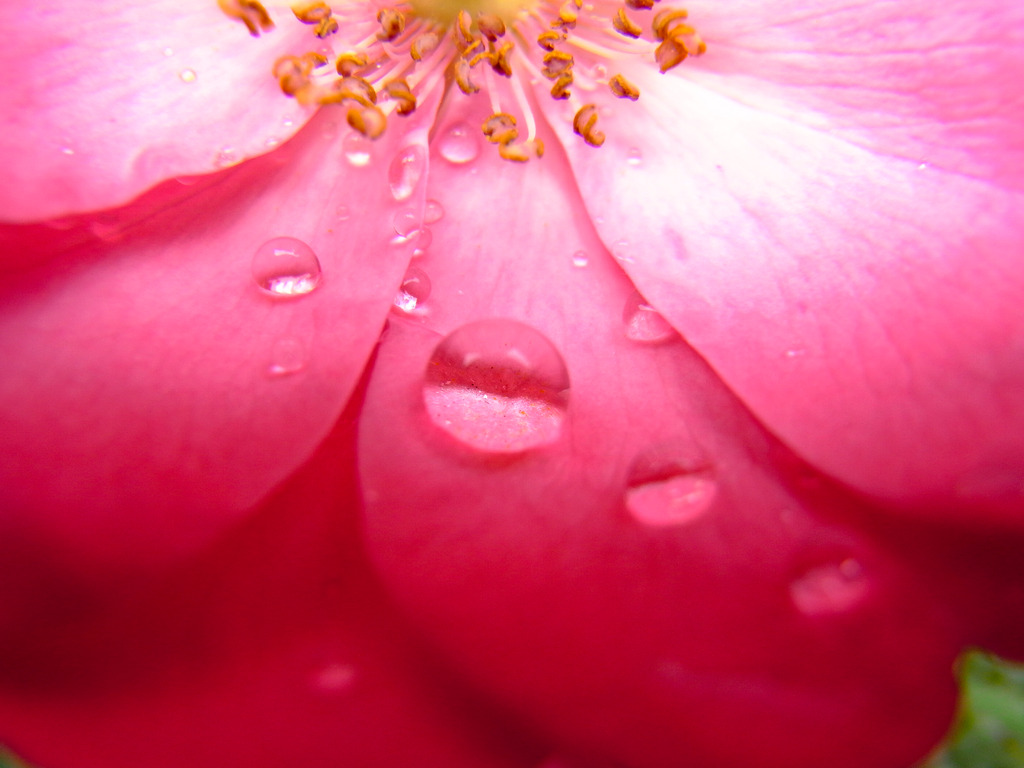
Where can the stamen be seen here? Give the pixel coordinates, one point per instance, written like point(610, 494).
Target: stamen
point(424, 45)
point(490, 26)
point(369, 121)
point(624, 89)
point(461, 71)
point(584, 124)
point(500, 128)
point(392, 24)
point(641, 5)
point(249, 12)
point(319, 13)
point(350, 63)
point(548, 39)
point(399, 91)
point(625, 25)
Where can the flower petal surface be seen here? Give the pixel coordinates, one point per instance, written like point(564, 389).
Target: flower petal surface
point(102, 100)
point(152, 389)
point(622, 560)
point(827, 205)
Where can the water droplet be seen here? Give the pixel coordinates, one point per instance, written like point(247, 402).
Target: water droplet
point(187, 75)
point(634, 157)
point(670, 484)
point(286, 267)
point(334, 678)
point(187, 181)
point(168, 52)
point(342, 212)
point(459, 144)
point(356, 149)
point(796, 352)
point(329, 130)
point(580, 259)
point(287, 122)
point(498, 386)
point(424, 237)
point(599, 72)
point(829, 588)
point(287, 356)
point(433, 212)
point(922, 167)
point(107, 227)
point(643, 323)
point(622, 252)
point(67, 149)
point(405, 171)
point(414, 290)
point(405, 222)
point(226, 157)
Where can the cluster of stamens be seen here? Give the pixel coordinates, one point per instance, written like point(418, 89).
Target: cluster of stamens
point(373, 81)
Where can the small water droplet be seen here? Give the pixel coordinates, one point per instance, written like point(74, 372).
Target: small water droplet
point(168, 52)
point(459, 144)
point(187, 181)
point(796, 352)
point(287, 122)
point(356, 149)
point(272, 143)
point(187, 75)
point(67, 149)
point(634, 157)
point(414, 290)
point(670, 484)
point(226, 157)
point(922, 167)
point(286, 267)
point(405, 222)
point(405, 172)
point(622, 251)
point(599, 72)
point(107, 227)
point(433, 212)
point(829, 588)
point(329, 130)
point(498, 386)
point(424, 237)
point(287, 356)
point(643, 323)
point(580, 259)
point(334, 678)
point(342, 212)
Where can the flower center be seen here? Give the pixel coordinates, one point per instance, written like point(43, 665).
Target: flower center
point(393, 55)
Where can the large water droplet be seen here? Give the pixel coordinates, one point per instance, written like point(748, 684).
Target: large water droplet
point(829, 588)
point(287, 356)
point(413, 291)
point(433, 212)
point(459, 144)
point(405, 222)
point(643, 324)
point(498, 386)
point(286, 267)
point(405, 172)
point(356, 149)
point(670, 486)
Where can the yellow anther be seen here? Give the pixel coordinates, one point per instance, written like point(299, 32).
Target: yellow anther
point(314, 59)
point(520, 153)
point(350, 88)
point(292, 73)
point(500, 128)
point(392, 24)
point(399, 92)
point(585, 125)
point(556, 63)
point(499, 58)
point(351, 62)
point(326, 27)
point(461, 72)
point(640, 5)
point(549, 39)
point(249, 12)
point(490, 26)
point(625, 25)
point(566, 16)
point(369, 121)
point(424, 45)
point(463, 32)
point(624, 89)
point(311, 11)
point(560, 90)
point(666, 20)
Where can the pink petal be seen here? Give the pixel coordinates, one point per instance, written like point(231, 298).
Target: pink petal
point(645, 586)
point(828, 208)
point(102, 100)
point(152, 391)
point(274, 648)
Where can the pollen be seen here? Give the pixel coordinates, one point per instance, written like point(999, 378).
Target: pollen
point(393, 55)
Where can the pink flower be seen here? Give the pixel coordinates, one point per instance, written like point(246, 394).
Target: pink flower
point(702, 446)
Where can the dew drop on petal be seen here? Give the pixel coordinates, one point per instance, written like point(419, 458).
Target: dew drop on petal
point(459, 144)
point(580, 259)
point(405, 222)
point(497, 386)
point(342, 212)
point(287, 356)
point(226, 157)
point(424, 237)
point(643, 324)
point(433, 212)
point(414, 290)
point(187, 75)
point(634, 157)
point(829, 588)
point(334, 678)
point(405, 172)
point(168, 52)
point(356, 149)
point(286, 267)
point(670, 486)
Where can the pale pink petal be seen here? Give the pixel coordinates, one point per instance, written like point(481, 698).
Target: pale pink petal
point(827, 205)
point(274, 648)
point(101, 100)
point(152, 391)
point(642, 583)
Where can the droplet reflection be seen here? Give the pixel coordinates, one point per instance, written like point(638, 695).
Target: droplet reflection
point(286, 267)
